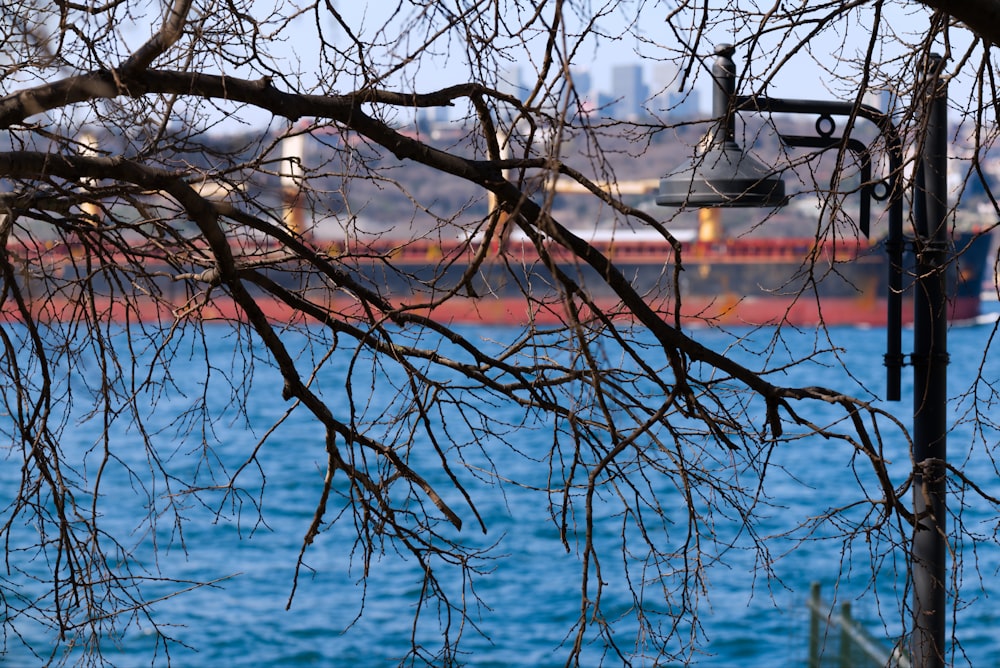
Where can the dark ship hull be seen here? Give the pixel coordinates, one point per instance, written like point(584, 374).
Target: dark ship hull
point(727, 282)
point(734, 282)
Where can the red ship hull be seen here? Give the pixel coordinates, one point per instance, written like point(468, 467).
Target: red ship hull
point(764, 282)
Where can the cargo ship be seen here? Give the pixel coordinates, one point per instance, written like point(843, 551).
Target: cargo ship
point(720, 281)
point(747, 281)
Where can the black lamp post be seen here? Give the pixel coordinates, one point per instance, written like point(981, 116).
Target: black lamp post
point(721, 175)
point(929, 551)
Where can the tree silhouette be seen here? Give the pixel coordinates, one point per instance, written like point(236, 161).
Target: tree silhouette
point(170, 169)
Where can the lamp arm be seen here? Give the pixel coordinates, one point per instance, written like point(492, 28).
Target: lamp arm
point(825, 109)
point(856, 147)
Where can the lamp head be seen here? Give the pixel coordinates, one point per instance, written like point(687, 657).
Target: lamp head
point(721, 174)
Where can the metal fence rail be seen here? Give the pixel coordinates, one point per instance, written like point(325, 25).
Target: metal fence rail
point(836, 639)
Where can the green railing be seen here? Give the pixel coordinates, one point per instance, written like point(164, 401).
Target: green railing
point(836, 639)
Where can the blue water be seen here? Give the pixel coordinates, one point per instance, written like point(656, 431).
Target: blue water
point(524, 606)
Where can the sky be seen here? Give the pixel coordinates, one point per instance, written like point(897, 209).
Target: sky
point(648, 41)
point(804, 76)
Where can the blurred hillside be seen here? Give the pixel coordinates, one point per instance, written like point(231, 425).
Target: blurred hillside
point(351, 185)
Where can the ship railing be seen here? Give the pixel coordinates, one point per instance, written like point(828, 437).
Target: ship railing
point(431, 250)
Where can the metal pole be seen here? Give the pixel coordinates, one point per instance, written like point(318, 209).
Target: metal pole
point(930, 386)
point(723, 93)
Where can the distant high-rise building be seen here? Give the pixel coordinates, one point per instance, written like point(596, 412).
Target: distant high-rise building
point(428, 118)
point(581, 82)
point(628, 92)
point(510, 80)
point(666, 78)
point(669, 99)
point(684, 104)
point(882, 99)
point(584, 98)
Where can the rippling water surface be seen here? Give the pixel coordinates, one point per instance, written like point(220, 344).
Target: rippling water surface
point(532, 597)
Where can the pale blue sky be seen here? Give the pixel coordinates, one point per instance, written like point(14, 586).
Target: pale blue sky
point(648, 42)
point(804, 76)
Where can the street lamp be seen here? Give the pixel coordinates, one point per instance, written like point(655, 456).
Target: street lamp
point(695, 182)
point(721, 175)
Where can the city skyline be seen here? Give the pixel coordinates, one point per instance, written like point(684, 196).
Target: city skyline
point(634, 93)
